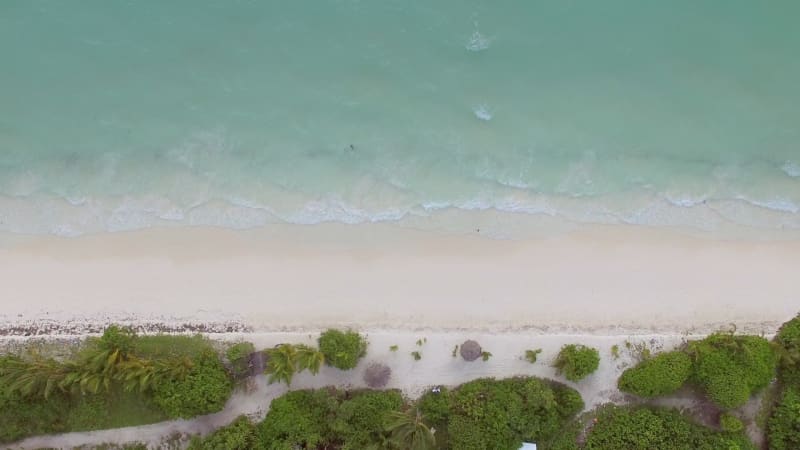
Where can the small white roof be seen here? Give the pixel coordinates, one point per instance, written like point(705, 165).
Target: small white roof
point(528, 446)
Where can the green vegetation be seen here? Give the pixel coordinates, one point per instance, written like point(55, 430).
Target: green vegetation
point(416, 355)
point(663, 374)
point(788, 347)
point(239, 435)
point(486, 355)
point(577, 362)
point(205, 389)
point(285, 360)
point(642, 428)
point(730, 423)
point(731, 368)
point(615, 351)
point(321, 418)
point(393, 348)
point(119, 379)
point(501, 414)
point(483, 414)
point(408, 430)
point(342, 349)
point(239, 357)
point(728, 368)
point(531, 355)
point(783, 426)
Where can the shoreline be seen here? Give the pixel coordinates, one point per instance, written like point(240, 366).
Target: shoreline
point(602, 280)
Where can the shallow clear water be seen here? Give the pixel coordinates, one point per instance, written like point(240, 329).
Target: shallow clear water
point(118, 115)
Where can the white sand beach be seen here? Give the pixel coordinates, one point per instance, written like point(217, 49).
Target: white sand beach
point(603, 280)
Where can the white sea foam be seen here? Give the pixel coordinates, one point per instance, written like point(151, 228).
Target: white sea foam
point(791, 168)
point(482, 112)
point(775, 204)
point(686, 201)
point(478, 42)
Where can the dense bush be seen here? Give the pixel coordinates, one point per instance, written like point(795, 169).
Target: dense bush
point(435, 406)
point(483, 414)
point(323, 418)
point(663, 374)
point(239, 435)
point(489, 414)
point(20, 416)
point(576, 362)
point(647, 429)
point(299, 419)
point(784, 425)
point(360, 420)
point(342, 349)
point(113, 381)
point(731, 368)
point(788, 345)
point(204, 390)
point(730, 423)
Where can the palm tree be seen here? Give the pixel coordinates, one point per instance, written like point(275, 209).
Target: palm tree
point(281, 364)
point(142, 374)
point(308, 358)
point(32, 378)
point(409, 431)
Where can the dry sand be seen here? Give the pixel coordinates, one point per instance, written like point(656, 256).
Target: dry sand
point(613, 280)
point(599, 287)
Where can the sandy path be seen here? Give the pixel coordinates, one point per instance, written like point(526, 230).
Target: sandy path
point(606, 280)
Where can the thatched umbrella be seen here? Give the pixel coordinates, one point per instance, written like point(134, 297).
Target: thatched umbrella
point(377, 375)
point(471, 350)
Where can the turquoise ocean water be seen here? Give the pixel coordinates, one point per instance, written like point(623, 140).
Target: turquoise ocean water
point(118, 115)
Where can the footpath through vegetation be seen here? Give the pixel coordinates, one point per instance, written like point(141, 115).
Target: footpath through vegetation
point(121, 379)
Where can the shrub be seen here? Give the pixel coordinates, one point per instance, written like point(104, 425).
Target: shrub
point(489, 414)
point(576, 362)
point(619, 428)
point(416, 355)
point(204, 390)
point(435, 406)
point(21, 416)
point(342, 349)
point(360, 420)
point(663, 374)
point(730, 423)
point(169, 346)
point(239, 435)
point(788, 346)
point(731, 368)
point(532, 355)
point(783, 429)
point(327, 418)
point(299, 419)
